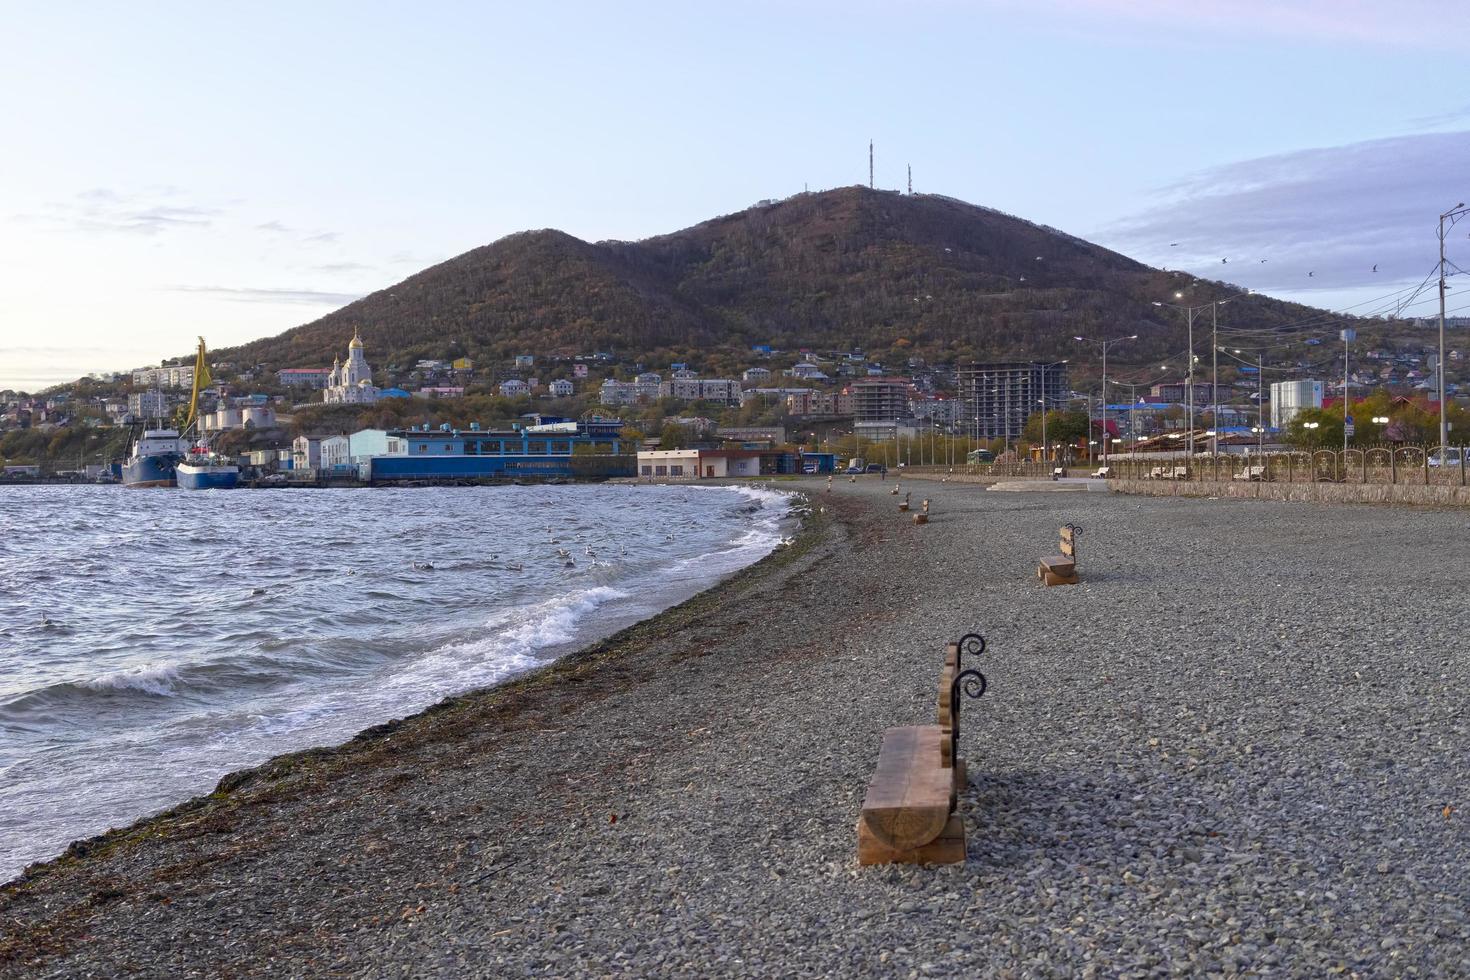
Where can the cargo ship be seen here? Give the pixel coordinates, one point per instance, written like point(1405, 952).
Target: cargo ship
point(154, 458)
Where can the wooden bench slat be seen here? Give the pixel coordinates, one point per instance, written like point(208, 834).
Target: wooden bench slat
point(908, 800)
point(1059, 564)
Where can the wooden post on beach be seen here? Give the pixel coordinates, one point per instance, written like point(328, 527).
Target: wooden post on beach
point(923, 516)
point(904, 503)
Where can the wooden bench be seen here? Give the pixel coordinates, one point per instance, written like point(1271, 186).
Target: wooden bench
point(1058, 472)
point(1061, 569)
point(908, 814)
point(1102, 472)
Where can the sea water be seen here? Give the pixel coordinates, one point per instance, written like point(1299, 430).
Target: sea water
point(152, 641)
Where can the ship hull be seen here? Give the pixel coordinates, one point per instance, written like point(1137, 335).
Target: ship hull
point(191, 476)
point(149, 471)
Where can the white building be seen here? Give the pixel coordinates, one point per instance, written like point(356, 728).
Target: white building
point(306, 452)
point(562, 388)
point(514, 388)
point(351, 383)
point(1290, 397)
point(628, 392)
point(336, 451)
point(807, 372)
point(148, 404)
point(756, 374)
point(720, 390)
point(698, 464)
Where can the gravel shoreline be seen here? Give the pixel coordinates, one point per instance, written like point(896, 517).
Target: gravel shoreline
point(1240, 745)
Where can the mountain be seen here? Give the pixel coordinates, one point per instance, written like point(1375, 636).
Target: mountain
point(851, 267)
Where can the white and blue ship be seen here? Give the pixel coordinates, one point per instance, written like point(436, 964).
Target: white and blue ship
point(154, 459)
point(205, 470)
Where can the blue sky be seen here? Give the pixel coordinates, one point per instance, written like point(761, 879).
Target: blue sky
point(181, 168)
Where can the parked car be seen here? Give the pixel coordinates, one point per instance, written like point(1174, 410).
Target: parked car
point(877, 468)
point(1452, 457)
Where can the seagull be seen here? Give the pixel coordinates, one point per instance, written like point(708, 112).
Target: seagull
point(563, 553)
point(1311, 273)
point(590, 552)
point(1375, 266)
point(1263, 262)
point(1224, 261)
point(423, 566)
point(1173, 244)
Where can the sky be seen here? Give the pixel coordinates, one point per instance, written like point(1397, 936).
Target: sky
point(174, 169)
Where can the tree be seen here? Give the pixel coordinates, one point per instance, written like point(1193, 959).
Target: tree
point(673, 436)
point(1315, 428)
point(1062, 426)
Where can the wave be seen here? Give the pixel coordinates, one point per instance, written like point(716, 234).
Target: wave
point(155, 679)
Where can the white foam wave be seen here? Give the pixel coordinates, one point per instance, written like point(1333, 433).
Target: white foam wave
point(156, 679)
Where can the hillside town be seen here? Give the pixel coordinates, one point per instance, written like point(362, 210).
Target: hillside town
point(304, 423)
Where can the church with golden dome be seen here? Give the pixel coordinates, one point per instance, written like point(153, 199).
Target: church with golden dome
point(351, 383)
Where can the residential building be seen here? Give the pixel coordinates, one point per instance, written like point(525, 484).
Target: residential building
point(351, 383)
point(890, 430)
point(314, 378)
point(152, 404)
point(439, 391)
point(524, 361)
point(720, 390)
point(306, 452)
point(755, 374)
point(562, 388)
point(629, 392)
point(807, 371)
point(879, 399)
point(1290, 397)
point(335, 452)
point(944, 410)
point(579, 371)
point(514, 388)
point(774, 434)
point(999, 396)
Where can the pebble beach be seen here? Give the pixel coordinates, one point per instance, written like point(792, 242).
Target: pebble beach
point(1240, 745)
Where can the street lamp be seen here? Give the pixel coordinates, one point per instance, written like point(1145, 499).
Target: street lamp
point(1104, 344)
point(1044, 369)
point(1190, 311)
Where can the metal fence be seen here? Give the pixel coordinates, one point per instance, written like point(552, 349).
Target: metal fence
point(1406, 465)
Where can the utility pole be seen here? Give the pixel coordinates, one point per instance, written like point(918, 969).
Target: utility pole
point(1261, 402)
point(1348, 334)
point(1453, 214)
point(1214, 379)
point(1190, 382)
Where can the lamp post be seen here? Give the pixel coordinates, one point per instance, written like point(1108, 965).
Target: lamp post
point(1190, 311)
point(1453, 215)
point(1043, 400)
point(1104, 344)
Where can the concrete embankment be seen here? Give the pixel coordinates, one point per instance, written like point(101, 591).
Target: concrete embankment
point(1334, 493)
point(1236, 747)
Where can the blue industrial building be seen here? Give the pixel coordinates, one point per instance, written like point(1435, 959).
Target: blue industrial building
point(562, 448)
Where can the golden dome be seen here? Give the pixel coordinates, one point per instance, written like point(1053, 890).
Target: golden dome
point(356, 342)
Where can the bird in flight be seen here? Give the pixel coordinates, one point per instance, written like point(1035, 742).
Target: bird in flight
point(1263, 262)
point(1375, 266)
point(1224, 261)
point(1311, 273)
point(1173, 244)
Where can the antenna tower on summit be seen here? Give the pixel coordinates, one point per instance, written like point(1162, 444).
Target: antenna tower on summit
point(911, 179)
point(870, 164)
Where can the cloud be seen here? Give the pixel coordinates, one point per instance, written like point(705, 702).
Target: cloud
point(275, 227)
point(1441, 118)
point(342, 267)
point(306, 297)
point(322, 237)
point(1401, 24)
point(1321, 219)
point(104, 210)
